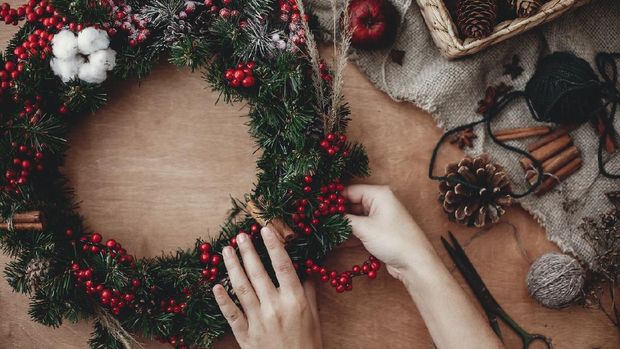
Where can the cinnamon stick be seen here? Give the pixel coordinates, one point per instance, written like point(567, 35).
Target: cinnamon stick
point(283, 231)
point(559, 176)
point(22, 226)
point(547, 151)
point(555, 134)
point(30, 220)
point(609, 142)
point(555, 163)
point(522, 132)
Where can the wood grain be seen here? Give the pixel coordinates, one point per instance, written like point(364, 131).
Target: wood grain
point(154, 169)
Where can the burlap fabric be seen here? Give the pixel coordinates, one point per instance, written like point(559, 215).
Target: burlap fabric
point(449, 91)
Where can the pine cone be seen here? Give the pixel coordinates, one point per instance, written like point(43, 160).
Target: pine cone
point(37, 272)
point(476, 18)
point(475, 207)
point(526, 8)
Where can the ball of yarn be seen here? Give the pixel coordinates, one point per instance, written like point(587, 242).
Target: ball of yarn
point(564, 89)
point(555, 280)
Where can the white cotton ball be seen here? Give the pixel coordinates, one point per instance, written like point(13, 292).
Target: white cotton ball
point(64, 44)
point(104, 59)
point(66, 69)
point(91, 40)
point(92, 73)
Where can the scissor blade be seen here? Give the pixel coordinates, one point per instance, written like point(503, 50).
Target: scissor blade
point(474, 281)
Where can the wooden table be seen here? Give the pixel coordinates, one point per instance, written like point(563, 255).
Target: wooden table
point(154, 169)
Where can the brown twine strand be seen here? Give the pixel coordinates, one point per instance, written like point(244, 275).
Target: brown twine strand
point(115, 329)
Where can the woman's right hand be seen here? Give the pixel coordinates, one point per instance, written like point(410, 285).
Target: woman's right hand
point(384, 226)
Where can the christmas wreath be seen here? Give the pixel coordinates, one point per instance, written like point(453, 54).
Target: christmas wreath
point(261, 52)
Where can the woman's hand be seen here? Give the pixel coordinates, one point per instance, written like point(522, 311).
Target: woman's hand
point(385, 227)
point(284, 317)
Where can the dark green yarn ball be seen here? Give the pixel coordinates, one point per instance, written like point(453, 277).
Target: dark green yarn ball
point(564, 89)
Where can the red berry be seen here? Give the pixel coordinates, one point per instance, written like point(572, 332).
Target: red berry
point(248, 81)
point(330, 137)
point(205, 247)
point(95, 238)
point(308, 179)
point(215, 259)
point(251, 64)
point(372, 274)
point(239, 74)
point(135, 283)
point(69, 233)
point(340, 288)
point(205, 257)
point(110, 244)
point(10, 66)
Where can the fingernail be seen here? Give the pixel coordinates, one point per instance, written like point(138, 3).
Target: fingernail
point(241, 238)
point(267, 233)
point(227, 251)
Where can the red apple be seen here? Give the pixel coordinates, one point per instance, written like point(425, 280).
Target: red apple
point(373, 23)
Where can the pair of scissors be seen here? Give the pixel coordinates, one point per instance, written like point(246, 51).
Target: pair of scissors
point(492, 309)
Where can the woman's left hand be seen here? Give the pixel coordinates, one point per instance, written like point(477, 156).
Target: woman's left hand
point(278, 318)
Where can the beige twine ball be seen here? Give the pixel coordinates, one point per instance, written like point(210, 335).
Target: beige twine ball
point(555, 280)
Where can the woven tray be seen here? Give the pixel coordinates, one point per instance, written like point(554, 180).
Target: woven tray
point(446, 35)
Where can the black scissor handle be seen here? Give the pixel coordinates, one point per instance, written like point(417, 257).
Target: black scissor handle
point(528, 339)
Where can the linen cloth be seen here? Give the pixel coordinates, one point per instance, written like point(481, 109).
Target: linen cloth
point(449, 91)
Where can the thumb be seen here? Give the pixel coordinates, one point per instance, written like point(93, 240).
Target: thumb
point(360, 225)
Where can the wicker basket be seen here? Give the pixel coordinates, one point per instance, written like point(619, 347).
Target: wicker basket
point(446, 35)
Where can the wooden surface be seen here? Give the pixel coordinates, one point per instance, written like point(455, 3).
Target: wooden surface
point(154, 169)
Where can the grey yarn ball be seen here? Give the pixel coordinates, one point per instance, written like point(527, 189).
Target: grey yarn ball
point(555, 280)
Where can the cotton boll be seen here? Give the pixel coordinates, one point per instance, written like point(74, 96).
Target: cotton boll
point(64, 44)
point(90, 40)
point(66, 69)
point(92, 73)
point(104, 59)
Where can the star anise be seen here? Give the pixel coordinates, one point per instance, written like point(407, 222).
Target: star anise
point(513, 68)
point(464, 138)
point(491, 96)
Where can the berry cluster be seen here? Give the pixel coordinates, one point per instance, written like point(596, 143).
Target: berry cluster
point(114, 299)
point(93, 244)
point(172, 306)
point(10, 72)
point(32, 110)
point(23, 164)
point(37, 44)
point(329, 202)
point(243, 75)
point(33, 11)
point(124, 19)
point(289, 13)
point(344, 281)
point(211, 260)
point(333, 143)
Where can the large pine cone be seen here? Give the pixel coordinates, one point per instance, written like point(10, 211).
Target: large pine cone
point(476, 18)
point(526, 8)
point(475, 207)
point(37, 272)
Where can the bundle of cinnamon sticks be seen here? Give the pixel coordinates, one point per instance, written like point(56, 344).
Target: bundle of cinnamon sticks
point(555, 150)
point(31, 220)
point(282, 230)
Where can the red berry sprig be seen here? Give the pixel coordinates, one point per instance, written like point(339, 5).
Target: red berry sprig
point(243, 75)
point(92, 244)
point(329, 202)
point(124, 19)
point(333, 143)
point(25, 162)
point(111, 298)
point(344, 281)
point(37, 44)
point(33, 11)
point(211, 261)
